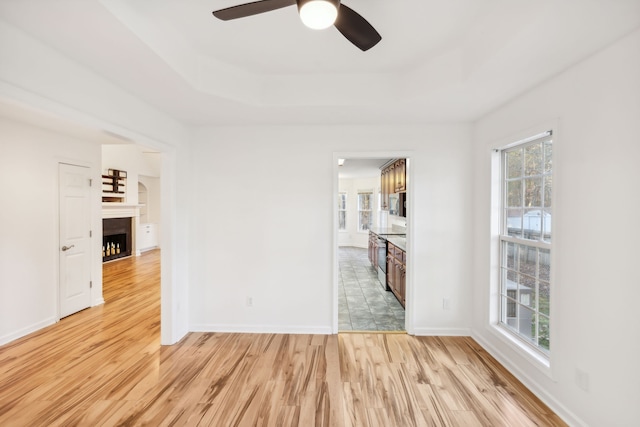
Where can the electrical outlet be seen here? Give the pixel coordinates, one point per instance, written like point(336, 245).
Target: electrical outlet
point(446, 304)
point(582, 379)
point(249, 301)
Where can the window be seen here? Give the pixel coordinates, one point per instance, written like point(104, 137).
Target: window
point(342, 211)
point(365, 211)
point(525, 241)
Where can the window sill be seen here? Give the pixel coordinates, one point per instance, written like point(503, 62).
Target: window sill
point(540, 361)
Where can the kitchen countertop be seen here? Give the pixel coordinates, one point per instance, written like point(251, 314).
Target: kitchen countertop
point(398, 241)
point(387, 231)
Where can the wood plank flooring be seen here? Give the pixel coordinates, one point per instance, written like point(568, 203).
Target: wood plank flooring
point(104, 366)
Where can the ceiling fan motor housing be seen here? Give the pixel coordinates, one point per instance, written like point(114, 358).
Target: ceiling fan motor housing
point(301, 3)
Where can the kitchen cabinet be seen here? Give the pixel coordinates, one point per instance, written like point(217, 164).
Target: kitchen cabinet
point(400, 171)
point(396, 272)
point(373, 250)
point(393, 179)
point(384, 189)
point(370, 248)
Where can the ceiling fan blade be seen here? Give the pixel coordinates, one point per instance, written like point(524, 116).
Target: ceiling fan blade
point(253, 8)
point(356, 29)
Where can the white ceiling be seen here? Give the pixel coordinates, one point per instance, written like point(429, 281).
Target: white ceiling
point(438, 61)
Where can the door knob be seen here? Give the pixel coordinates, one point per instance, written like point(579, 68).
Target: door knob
point(66, 248)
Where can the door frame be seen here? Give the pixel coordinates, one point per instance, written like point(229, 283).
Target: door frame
point(391, 154)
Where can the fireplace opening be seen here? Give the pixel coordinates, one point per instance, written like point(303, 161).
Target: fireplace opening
point(116, 238)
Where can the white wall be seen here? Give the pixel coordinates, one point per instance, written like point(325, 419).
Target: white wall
point(388, 221)
point(595, 109)
point(29, 240)
point(352, 236)
point(264, 210)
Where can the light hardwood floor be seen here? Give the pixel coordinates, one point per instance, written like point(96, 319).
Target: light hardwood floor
point(105, 366)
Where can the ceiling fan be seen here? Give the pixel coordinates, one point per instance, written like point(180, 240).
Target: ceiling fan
point(316, 14)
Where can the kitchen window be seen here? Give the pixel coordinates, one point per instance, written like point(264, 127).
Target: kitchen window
point(365, 210)
point(525, 241)
point(342, 211)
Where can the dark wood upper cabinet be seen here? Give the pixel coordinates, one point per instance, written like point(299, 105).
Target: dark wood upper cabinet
point(384, 189)
point(400, 171)
point(393, 180)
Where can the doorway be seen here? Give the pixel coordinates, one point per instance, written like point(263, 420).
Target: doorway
point(140, 206)
point(363, 301)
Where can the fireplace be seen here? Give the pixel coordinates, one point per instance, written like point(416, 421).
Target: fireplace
point(117, 240)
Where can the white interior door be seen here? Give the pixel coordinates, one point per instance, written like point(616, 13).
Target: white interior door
point(75, 238)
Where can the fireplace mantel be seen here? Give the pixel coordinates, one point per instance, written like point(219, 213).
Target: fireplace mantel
point(120, 210)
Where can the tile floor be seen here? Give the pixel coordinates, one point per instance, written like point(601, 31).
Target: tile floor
point(362, 302)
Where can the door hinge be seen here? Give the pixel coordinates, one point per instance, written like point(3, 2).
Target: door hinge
point(90, 284)
point(90, 233)
point(90, 182)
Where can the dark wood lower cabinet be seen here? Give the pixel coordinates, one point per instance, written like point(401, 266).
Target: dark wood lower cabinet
point(396, 272)
point(373, 250)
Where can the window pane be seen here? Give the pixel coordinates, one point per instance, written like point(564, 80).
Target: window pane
point(532, 223)
point(514, 222)
point(544, 297)
point(543, 332)
point(342, 220)
point(544, 270)
point(533, 160)
point(548, 150)
point(509, 311)
point(364, 201)
point(510, 254)
point(526, 322)
point(514, 194)
point(514, 164)
point(548, 186)
point(342, 201)
point(527, 258)
point(547, 227)
point(510, 284)
point(365, 216)
point(527, 290)
point(532, 192)
point(545, 264)
point(365, 220)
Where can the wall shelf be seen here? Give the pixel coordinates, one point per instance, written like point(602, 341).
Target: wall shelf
point(114, 186)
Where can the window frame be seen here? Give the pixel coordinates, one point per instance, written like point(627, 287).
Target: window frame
point(540, 245)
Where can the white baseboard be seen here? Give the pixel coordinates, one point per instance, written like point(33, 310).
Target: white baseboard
point(535, 388)
point(261, 329)
point(26, 331)
point(443, 332)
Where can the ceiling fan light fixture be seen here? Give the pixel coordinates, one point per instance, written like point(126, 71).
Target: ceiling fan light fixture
point(318, 14)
